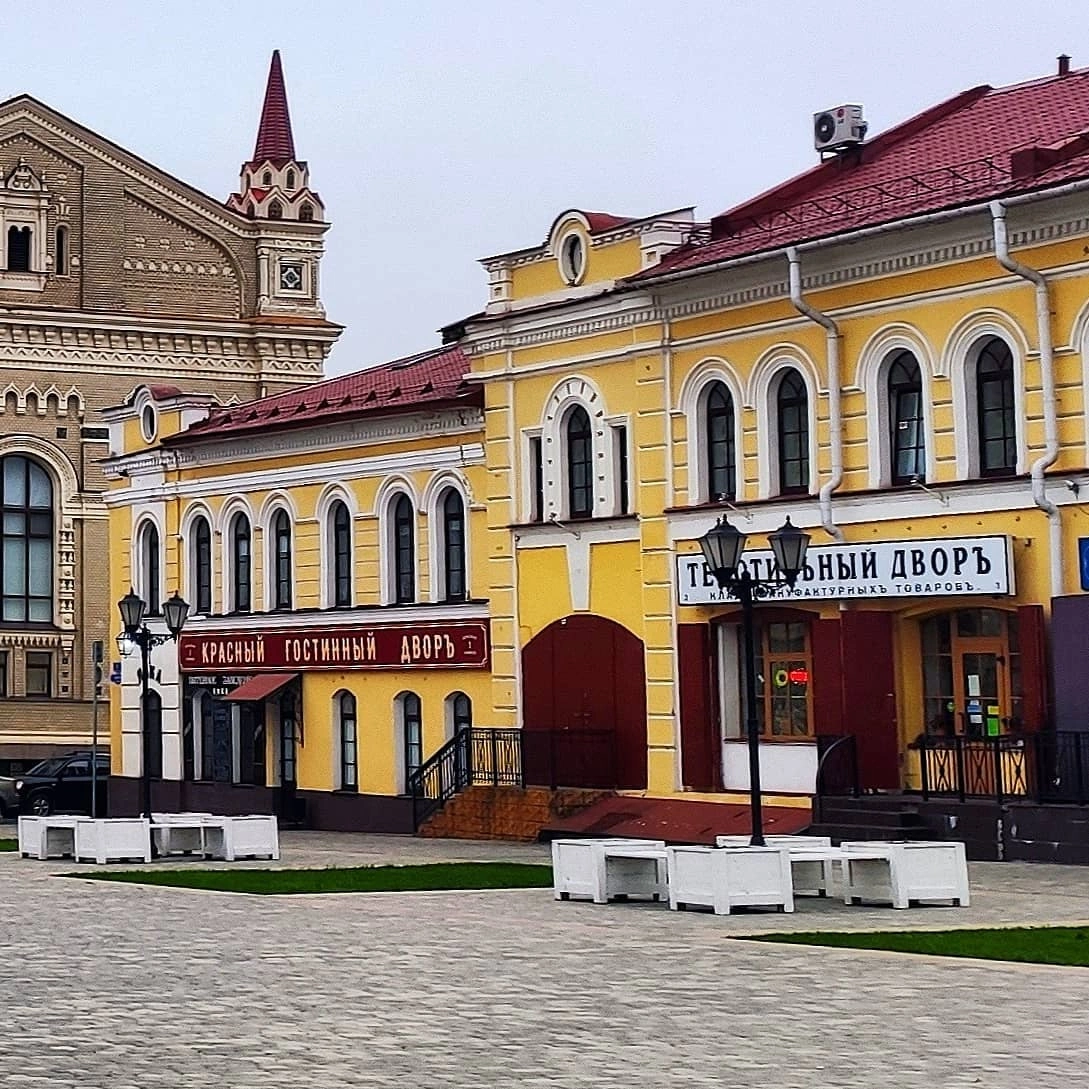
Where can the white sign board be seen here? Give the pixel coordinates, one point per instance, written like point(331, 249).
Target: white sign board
point(945, 567)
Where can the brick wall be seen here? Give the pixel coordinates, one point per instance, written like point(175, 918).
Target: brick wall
point(506, 812)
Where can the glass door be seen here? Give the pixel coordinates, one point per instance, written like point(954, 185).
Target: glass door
point(982, 697)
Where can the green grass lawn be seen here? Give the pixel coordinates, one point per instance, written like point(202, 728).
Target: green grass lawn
point(9, 844)
point(1068, 945)
point(443, 875)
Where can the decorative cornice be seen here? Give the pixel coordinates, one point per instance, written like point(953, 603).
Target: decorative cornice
point(363, 616)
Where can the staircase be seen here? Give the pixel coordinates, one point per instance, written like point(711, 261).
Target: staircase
point(505, 812)
point(870, 816)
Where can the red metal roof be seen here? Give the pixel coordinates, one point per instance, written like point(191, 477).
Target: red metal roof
point(427, 380)
point(979, 145)
point(602, 221)
point(274, 139)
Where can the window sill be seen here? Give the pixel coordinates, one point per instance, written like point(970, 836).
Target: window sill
point(575, 523)
point(22, 281)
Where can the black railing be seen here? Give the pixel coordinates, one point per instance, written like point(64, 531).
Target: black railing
point(837, 770)
point(473, 756)
point(1051, 766)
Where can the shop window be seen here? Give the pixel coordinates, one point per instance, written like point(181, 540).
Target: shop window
point(907, 442)
point(340, 544)
point(718, 424)
point(241, 565)
point(201, 560)
point(189, 739)
point(453, 547)
point(251, 744)
point(153, 723)
point(792, 432)
point(971, 673)
point(404, 551)
point(580, 464)
point(411, 733)
point(39, 673)
point(346, 721)
point(26, 555)
point(996, 411)
point(784, 688)
point(281, 560)
point(289, 720)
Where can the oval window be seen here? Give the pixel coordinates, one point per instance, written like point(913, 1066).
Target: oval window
point(148, 422)
point(572, 258)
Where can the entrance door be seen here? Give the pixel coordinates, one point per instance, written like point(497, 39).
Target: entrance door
point(287, 754)
point(982, 698)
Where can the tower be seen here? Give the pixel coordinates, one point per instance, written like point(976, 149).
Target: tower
point(274, 191)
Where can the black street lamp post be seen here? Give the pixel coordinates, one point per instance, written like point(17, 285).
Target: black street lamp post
point(722, 547)
point(137, 634)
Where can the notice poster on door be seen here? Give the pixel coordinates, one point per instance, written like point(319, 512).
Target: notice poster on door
point(973, 684)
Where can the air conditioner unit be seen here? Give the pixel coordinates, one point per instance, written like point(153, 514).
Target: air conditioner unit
point(838, 128)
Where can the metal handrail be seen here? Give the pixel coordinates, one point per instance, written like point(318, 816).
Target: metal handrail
point(847, 743)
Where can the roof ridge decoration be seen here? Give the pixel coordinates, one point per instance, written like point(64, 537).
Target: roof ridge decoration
point(275, 142)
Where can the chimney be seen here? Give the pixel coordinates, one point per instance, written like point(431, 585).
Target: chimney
point(1064, 65)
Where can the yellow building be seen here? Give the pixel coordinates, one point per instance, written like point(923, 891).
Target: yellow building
point(889, 349)
point(330, 544)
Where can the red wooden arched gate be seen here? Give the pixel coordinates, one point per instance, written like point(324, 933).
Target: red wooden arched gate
point(585, 705)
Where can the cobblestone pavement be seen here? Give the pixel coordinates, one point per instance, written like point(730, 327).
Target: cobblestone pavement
point(117, 986)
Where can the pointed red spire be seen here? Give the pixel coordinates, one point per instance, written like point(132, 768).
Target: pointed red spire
point(274, 140)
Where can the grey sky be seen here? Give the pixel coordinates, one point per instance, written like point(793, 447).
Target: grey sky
point(439, 132)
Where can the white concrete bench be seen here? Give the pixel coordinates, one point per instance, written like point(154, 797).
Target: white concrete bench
point(725, 878)
point(902, 874)
point(48, 837)
point(581, 868)
point(812, 876)
point(116, 839)
point(230, 838)
point(179, 833)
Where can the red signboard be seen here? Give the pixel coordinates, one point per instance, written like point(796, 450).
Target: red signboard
point(462, 645)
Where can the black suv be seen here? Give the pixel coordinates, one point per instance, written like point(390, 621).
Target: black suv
point(62, 784)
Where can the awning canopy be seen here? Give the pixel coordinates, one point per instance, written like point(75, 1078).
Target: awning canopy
point(261, 687)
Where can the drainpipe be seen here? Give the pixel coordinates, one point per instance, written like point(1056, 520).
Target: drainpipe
point(1047, 383)
point(835, 420)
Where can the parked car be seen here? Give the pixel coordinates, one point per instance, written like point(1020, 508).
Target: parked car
point(62, 784)
point(9, 797)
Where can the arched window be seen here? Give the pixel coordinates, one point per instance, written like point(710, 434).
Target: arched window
point(346, 717)
point(306, 213)
point(411, 733)
point(266, 178)
point(281, 560)
point(907, 440)
point(276, 210)
point(404, 551)
point(18, 249)
point(580, 464)
point(291, 179)
point(241, 565)
point(60, 256)
point(461, 712)
point(792, 427)
point(150, 559)
point(340, 547)
point(153, 724)
point(996, 413)
point(249, 209)
point(201, 560)
point(719, 432)
point(453, 546)
point(26, 557)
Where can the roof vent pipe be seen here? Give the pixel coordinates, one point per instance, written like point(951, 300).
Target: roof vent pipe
point(835, 422)
point(1047, 384)
point(1064, 64)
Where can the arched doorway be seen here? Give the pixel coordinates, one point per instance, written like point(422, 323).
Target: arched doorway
point(585, 705)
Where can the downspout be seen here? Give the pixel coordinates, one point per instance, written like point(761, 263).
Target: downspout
point(835, 419)
point(1047, 383)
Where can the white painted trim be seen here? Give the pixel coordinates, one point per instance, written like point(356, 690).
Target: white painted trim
point(262, 480)
point(575, 391)
point(323, 511)
point(188, 541)
point(232, 509)
point(433, 498)
point(268, 534)
point(391, 489)
point(334, 619)
point(148, 518)
point(764, 390)
point(692, 403)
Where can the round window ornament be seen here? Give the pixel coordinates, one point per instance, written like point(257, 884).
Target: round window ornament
point(148, 422)
point(572, 258)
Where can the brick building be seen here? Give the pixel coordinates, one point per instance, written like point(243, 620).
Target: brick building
point(114, 277)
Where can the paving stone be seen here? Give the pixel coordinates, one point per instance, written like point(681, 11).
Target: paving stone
point(169, 987)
